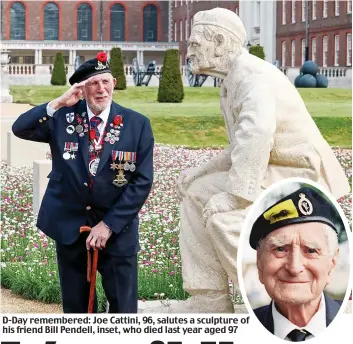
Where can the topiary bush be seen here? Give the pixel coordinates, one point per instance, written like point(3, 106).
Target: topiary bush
point(117, 68)
point(171, 89)
point(258, 51)
point(58, 76)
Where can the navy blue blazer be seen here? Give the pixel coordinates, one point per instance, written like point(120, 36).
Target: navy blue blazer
point(264, 314)
point(68, 202)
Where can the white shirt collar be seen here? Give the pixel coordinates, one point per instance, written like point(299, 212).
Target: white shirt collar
point(104, 115)
point(317, 324)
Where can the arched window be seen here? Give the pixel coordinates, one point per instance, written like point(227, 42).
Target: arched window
point(17, 21)
point(117, 23)
point(51, 21)
point(84, 22)
point(150, 20)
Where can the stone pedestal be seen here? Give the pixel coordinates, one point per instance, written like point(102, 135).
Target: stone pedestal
point(23, 152)
point(5, 94)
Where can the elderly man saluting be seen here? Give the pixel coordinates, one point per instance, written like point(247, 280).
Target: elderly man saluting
point(102, 173)
point(297, 249)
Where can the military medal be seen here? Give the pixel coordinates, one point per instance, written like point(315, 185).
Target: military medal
point(126, 166)
point(70, 117)
point(70, 129)
point(93, 166)
point(132, 167)
point(79, 129)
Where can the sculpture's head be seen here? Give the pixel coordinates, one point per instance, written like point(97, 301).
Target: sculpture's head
point(217, 36)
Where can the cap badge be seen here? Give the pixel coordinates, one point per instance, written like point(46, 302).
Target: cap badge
point(304, 205)
point(100, 66)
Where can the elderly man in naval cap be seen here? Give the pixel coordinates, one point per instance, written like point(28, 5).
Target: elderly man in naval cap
point(271, 136)
point(296, 240)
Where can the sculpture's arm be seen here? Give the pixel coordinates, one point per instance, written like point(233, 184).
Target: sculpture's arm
point(252, 144)
point(221, 162)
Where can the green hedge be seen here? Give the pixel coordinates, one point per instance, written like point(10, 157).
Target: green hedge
point(58, 76)
point(117, 68)
point(258, 51)
point(171, 89)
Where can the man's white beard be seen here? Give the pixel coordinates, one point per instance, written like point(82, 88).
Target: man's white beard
point(99, 108)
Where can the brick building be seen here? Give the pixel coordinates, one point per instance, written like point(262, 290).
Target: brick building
point(330, 32)
point(34, 31)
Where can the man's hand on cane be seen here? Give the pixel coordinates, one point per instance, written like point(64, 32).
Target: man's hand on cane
point(98, 236)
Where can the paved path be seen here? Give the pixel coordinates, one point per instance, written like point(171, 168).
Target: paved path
point(13, 109)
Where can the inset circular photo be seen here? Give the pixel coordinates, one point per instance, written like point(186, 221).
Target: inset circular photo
point(294, 260)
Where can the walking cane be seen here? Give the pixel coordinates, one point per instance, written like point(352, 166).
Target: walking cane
point(91, 271)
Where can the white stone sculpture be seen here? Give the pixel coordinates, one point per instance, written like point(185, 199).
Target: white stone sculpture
point(271, 136)
point(5, 60)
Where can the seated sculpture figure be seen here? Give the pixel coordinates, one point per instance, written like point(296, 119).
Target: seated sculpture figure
point(271, 136)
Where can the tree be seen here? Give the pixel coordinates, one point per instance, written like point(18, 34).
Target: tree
point(171, 89)
point(117, 68)
point(258, 51)
point(58, 76)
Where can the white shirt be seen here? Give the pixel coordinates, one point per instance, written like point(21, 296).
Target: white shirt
point(317, 324)
point(104, 116)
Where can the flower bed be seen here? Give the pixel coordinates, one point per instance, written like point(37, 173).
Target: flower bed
point(28, 256)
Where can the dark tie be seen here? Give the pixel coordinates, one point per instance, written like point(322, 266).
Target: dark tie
point(93, 153)
point(298, 335)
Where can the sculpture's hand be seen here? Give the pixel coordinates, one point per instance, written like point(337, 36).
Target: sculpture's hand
point(185, 179)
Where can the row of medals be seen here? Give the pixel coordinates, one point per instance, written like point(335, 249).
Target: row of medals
point(81, 128)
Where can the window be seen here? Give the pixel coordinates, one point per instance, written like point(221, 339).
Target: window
point(337, 49)
point(186, 30)
point(257, 14)
point(293, 11)
point(349, 49)
point(303, 9)
point(150, 20)
point(337, 8)
point(84, 22)
point(324, 9)
point(324, 51)
point(349, 6)
point(284, 53)
point(293, 54)
point(313, 49)
point(237, 10)
point(303, 50)
point(51, 21)
point(284, 12)
point(314, 9)
point(181, 31)
point(17, 21)
point(117, 23)
point(175, 31)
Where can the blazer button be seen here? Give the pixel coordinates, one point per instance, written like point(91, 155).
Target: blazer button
point(85, 184)
point(88, 208)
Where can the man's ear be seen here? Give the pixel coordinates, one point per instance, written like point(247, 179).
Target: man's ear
point(333, 263)
point(114, 82)
point(219, 41)
point(259, 265)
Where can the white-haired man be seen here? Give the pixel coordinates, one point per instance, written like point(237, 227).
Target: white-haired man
point(271, 136)
point(297, 250)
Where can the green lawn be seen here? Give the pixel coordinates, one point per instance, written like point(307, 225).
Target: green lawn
point(198, 120)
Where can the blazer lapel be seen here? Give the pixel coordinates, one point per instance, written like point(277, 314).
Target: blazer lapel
point(83, 140)
point(107, 146)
